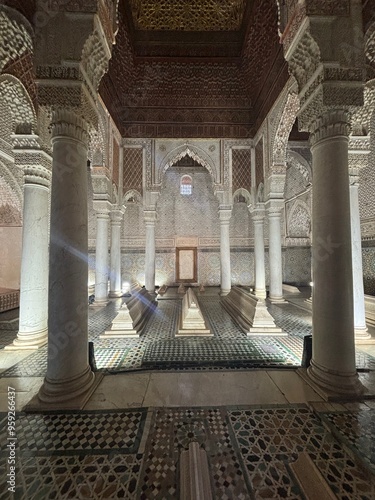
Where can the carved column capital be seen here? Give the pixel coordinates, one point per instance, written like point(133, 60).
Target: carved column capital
point(29, 156)
point(102, 208)
point(66, 123)
point(225, 215)
point(258, 213)
point(117, 214)
point(330, 124)
point(150, 217)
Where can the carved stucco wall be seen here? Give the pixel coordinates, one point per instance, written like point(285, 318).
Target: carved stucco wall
point(367, 214)
point(368, 263)
point(192, 215)
point(241, 225)
point(91, 212)
point(297, 265)
point(11, 205)
point(367, 183)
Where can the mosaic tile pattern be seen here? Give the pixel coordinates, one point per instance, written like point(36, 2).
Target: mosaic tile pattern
point(34, 365)
point(7, 337)
point(356, 430)
point(172, 431)
point(109, 454)
point(76, 455)
point(229, 349)
point(291, 319)
point(77, 477)
point(64, 433)
point(271, 438)
point(188, 352)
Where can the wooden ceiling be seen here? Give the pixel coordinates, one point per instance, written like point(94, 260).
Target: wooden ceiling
point(200, 68)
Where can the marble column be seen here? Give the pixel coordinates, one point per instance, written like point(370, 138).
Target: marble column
point(150, 219)
point(333, 361)
point(226, 282)
point(115, 276)
point(260, 275)
point(360, 328)
point(33, 319)
point(275, 255)
point(101, 258)
point(69, 381)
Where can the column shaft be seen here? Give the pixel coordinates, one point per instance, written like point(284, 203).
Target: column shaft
point(260, 277)
point(275, 256)
point(101, 259)
point(226, 281)
point(333, 361)
point(150, 254)
point(34, 269)
point(115, 280)
point(69, 378)
point(360, 327)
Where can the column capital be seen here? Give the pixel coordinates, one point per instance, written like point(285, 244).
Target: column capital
point(150, 216)
point(258, 213)
point(66, 123)
point(37, 175)
point(225, 214)
point(102, 208)
point(30, 157)
point(258, 219)
point(332, 123)
point(274, 207)
point(117, 213)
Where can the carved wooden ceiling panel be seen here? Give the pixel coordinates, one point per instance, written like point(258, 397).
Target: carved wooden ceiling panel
point(188, 15)
point(201, 84)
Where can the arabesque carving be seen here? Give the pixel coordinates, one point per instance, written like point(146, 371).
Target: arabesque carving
point(16, 36)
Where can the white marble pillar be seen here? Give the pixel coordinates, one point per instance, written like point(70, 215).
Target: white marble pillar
point(333, 359)
point(275, 255)
point(101, 258)
point(226, 281)
point(33, 331)
point(115, 276)
point(360, 328)
point(69, 381)
point(260, 275)
point(150, 219)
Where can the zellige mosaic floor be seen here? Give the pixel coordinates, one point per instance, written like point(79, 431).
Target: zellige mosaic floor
point(135, 454)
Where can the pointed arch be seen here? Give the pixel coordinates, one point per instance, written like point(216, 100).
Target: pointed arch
point(12, 204)
point(242, 193)
point(132, 196)
point(301, 164)
point(284, 120)
point(194, 152)
point(299, 220)
point(20, 104)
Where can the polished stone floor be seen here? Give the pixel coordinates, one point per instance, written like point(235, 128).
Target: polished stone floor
point(241, 399)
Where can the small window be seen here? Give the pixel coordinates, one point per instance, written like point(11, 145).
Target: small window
point(186, 185)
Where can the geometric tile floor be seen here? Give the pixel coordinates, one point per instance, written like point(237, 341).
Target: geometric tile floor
point(135, 454)
point(157, 349)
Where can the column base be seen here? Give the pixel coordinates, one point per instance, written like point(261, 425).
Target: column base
point(28, 341)
point(68, 394)
point(224, 292)
point(362, 336)
point(276, 300)
point(100, 303)
point(333, 385)
point(261, 293)
point(115, 295)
